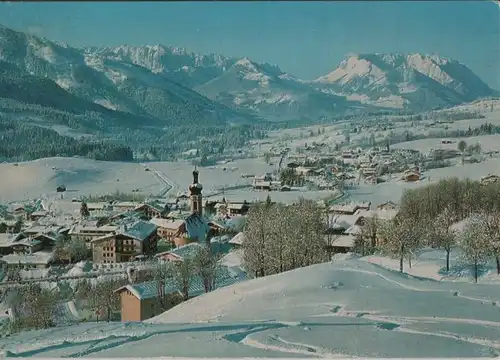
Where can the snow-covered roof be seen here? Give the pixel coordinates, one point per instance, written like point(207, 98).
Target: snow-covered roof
point(7, 240)
point(380, 213)
point(187, 251)
point(238, 239)
point(149, 289)
point(167, 223)
point(98, 206)
point(345, 241)
point(131, 204)
point(197, 227)
point(139, 230)
point(40, 213)
point(39, 257)
point(353, 230)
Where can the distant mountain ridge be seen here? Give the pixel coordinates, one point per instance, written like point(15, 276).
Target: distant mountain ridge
point(416, 81)
point(111, 82)
point(173, 86)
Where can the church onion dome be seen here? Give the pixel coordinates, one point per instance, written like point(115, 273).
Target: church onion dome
point(195, 188)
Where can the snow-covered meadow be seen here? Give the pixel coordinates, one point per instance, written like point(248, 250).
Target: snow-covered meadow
point(345, 308)
point(81, 176)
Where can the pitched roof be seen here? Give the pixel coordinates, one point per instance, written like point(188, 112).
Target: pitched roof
point(147, 290)
point(238, 239)
point(197, 227)
point(139, 230)
point(167, 223)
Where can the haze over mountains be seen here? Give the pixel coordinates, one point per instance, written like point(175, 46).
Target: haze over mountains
point(162, 85)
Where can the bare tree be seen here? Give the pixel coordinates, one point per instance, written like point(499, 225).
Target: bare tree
point(278, 240)
point(83, 290)
point(306, 227)
point(474, 243)
point(77, 250)
point(34, 307)
point(492, 231)
point(182, 273)
point(366, 240)
point(14, 273)
point(256, 234)
point(205, 266)
point(440, 234)
point(280, 237)
point(161, 275)
point(401, 237)
point(103, 297)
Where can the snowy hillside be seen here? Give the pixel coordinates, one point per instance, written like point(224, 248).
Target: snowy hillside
point(178, 64)
point(345, 308)
point(415, 81)
point(178, 86)
point(112, 82)
point(274, 94)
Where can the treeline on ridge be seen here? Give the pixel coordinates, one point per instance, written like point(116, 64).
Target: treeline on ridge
point(20, 141)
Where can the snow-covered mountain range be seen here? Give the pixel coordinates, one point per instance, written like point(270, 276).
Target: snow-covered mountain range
point(176, 85)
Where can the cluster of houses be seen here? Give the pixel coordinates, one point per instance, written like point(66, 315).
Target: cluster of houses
point(122, 232)
point(115, 232)
point(345, 222)
point(328, 171)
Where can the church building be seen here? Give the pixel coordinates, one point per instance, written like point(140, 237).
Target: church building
point(195, 228)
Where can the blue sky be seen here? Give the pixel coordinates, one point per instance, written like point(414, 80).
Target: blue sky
point(306, 39)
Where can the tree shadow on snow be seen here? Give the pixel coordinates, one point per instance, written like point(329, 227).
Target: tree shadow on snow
point(464, 270)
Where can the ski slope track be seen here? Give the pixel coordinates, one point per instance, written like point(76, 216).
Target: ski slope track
point(346, 308)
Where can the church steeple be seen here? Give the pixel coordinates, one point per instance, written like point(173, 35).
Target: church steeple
point(195, 195)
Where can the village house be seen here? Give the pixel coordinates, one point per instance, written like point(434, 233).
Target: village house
point(10, 225)
point(39, 259)
point(389, 205)
point(179, 254)
point(304, 171)
point(88, 230)
point(339, 244)
point(123, 206)
point(152, 210)
point(262, 185)
point(342, 230)
point(37, 215)
point(140, 302)
point(490, 179)
point(169, 229)
point(6, 242)
point(349, 209)
point(238, 208)
point(237, 241)
point(99, 207)
point(348, 154)
point(411, 176)
point(18, 211)
point(129, 241)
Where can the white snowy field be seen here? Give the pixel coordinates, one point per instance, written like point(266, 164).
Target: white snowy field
point(226, 180)
point(344, 308)
point(215, 177)
point(81, 176)
point(40, 178)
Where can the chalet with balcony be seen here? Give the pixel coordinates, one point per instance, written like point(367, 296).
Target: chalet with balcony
point(122, 245)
